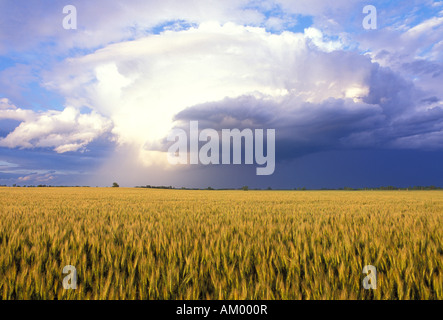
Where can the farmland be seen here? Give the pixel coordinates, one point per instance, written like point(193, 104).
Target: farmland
point(183, 244)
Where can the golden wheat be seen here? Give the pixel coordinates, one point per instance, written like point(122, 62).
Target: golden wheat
point(180, 244)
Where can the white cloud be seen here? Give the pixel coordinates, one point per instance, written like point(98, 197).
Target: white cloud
point(316, 36)
point(424, 27)
point(105, 21)
point(140, 85)
point(66, 130)
point(37, 178)
point(10, 111)
point(7, 165)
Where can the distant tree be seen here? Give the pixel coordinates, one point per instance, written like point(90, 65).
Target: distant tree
point(210, 188)
point(269, 188)
point(304, 188)
point(115, 185)
point(245, 188)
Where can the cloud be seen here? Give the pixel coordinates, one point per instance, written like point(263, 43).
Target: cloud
point(318, 39)
point(38, 24)
point(36, 178)
point(141, 85)
point(67, 130)
point(10, 111)
point(411, 52)
point(324, 96)
point(393, 46)
point(301, 127)
point(7, 165)
point(391, 114)
point(141, 65)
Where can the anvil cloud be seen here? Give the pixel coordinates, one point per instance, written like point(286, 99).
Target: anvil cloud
point(132, 72)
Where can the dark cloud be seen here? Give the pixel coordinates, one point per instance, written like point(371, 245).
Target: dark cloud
point(430, 100)
point(389, 116)
point(422, 66)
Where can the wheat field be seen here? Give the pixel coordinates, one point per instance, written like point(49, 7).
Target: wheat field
point(181, 244)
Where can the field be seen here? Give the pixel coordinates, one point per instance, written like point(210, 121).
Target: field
point(180, 244)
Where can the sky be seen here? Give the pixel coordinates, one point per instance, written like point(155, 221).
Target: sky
point(89, 96)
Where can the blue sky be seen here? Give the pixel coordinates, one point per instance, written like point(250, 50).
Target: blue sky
point(350, 106)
